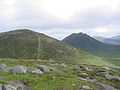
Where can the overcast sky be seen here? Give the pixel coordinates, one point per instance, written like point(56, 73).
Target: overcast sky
point(59, 18)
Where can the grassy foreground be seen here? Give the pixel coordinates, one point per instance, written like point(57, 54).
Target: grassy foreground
point(66, 80)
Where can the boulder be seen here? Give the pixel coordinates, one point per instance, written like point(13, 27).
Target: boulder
point(86, 69)
point(2, 66)
point(76, 67)
point(83, 74)
point(7, 69)
point(45, 68)
point(105, 87)
point(106, 67)
point(53, 77)
point(73, 84)
point(63, 65)
point(109, 77)
point(92, 80)
point(8, 87)
point(1, 86)
point(109, 68)
point(37, 71)
point(19, 69)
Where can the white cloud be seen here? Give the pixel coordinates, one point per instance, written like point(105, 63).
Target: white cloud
point(59, 18)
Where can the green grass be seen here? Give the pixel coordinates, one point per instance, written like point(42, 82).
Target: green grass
point(43, 82)
point(63, 80)
point(34, 45)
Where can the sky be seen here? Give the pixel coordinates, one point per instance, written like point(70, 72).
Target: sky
point(60, 18)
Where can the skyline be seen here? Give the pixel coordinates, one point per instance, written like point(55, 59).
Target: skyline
point(60, 18)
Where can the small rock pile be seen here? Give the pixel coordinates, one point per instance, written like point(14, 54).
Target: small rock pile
point(7, 87)
point(14, 70)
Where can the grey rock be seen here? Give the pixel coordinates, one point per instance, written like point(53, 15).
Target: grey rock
point(86, 69)
point(1, 86)
point(84, 74)
point(76, 67)
point(9, 87)
point(84, 79)
point(63, 65)
point(86, 87)
point(106, 67)
point(7, 69)
point(109, 68)
point(53, 77)
point(109, 77)
point(2, 66)
point(52, 69)
point(105, 87)
point(45, 68)
point(92, 80)
point(20, 85)
point(19, 69)
point(73, 84)
point(37, 71)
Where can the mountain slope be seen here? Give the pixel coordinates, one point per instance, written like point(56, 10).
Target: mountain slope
point(32, 45)
point(107, 40)
point(91, 45)
point(116, 37)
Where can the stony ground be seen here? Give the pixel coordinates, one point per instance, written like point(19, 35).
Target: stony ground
point(45, 75)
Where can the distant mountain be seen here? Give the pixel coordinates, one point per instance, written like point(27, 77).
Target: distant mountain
point(91, 45)
point(112, 40)
point(28, 44)
point(116, 37)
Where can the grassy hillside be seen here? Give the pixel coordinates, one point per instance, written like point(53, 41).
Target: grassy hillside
point(32, 45)
point(116, 37)
point(85, 42)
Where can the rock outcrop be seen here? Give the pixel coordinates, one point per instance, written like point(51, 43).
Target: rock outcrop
point(7, 87)
point(37, 71)
point(45, 68)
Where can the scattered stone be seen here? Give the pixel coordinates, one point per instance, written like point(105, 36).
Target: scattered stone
point(2, 66)
point(86, 87)
point(20, 85)
point(84, 74)
point(106, 67)
point(76, 67)
point(0, 86)
point(8, 69)
point(86, 69)
point(104, 86)
point(109, 77)
point(54, 77)
point(92, 80)
point(7, 87)
point(19, 69)
point(84, 79)
point(52, 69)
point(37, 71)
point(109, 68)
point(45, 68)
point(73, 84)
